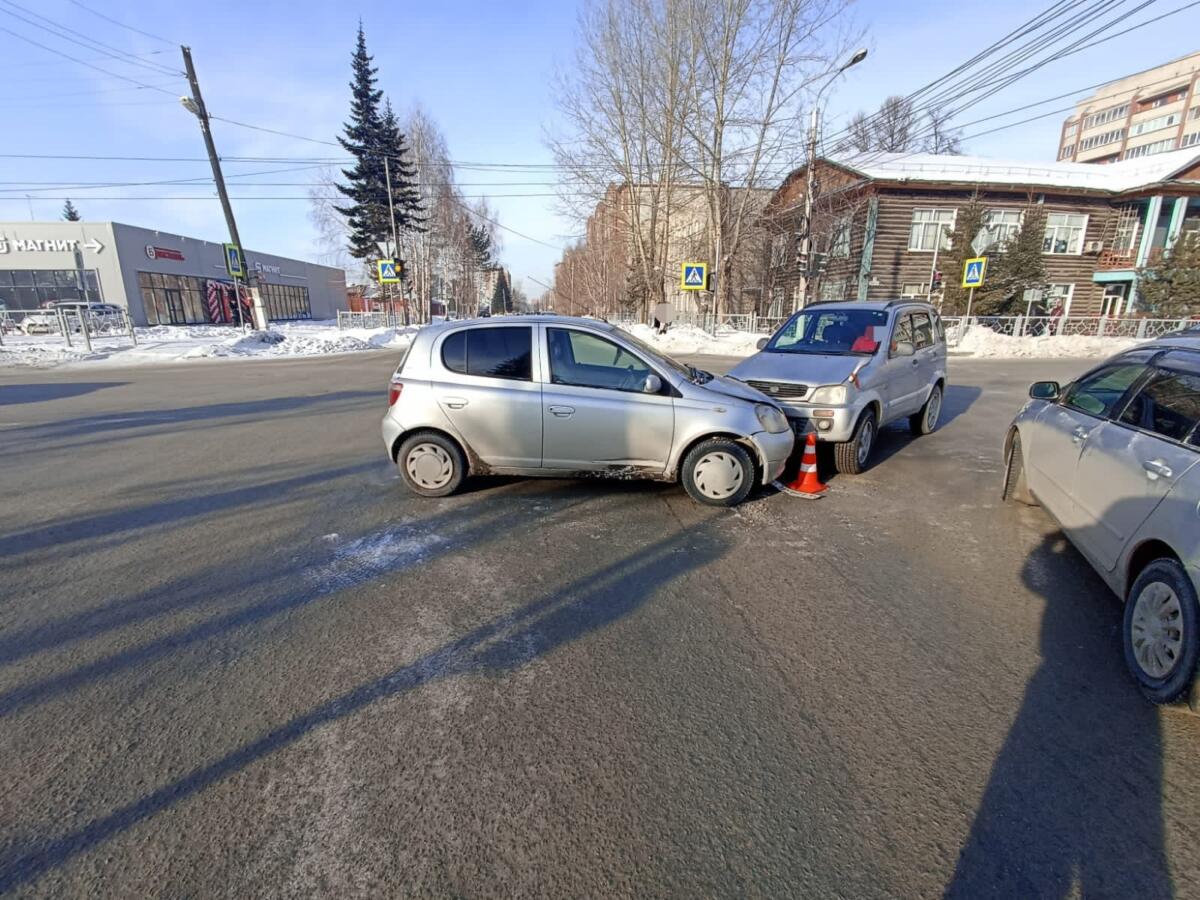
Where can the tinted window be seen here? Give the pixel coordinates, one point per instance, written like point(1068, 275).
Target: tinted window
point(1168, 404)
point(490, 352)
point(922, 330)
point(1099, 393)
point(586, 360)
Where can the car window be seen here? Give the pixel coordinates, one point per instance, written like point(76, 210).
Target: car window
point(922, 330)
point(903, 332)
point(581, 359)
point(939, 330)
point(1168, 404)
point(830, 332)
point(1099, 393)
point(490, 352)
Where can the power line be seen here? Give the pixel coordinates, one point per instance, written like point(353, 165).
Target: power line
point(113, 21)
point(76, 59)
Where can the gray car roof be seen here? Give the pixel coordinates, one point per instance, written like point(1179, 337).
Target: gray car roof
point(1189, 340)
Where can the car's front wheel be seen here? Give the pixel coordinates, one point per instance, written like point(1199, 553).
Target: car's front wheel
point(431, 465)
point(718, 472)
point(851, 456)
point(1016, 489)
point(1160, 631)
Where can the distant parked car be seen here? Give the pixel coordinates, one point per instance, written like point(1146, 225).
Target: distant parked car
point(99, 315)
point(844, 370)
point(560, 397)
point(41, 321)
point(1113, 458)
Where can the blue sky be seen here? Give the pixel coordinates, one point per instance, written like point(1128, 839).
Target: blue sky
point(484, 70)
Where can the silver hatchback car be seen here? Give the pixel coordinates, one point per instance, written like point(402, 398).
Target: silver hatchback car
point(844, 370)
point(1113, 458)
point(562, 397)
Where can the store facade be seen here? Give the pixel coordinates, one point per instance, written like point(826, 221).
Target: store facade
point(161, 278)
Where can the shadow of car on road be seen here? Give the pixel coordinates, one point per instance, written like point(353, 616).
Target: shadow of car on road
point(12, 394)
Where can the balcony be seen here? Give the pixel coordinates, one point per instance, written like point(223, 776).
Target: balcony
point(1113, 260)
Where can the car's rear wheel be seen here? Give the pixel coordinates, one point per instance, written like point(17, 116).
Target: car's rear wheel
point(926, 421)
point(851, 457)
point(718, 472)
point(431, 465)
point(1160, 631)
point(1015, 489)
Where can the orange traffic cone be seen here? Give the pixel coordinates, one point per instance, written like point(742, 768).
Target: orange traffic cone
point(808, 482)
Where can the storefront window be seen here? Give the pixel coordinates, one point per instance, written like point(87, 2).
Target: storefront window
point(32, 288)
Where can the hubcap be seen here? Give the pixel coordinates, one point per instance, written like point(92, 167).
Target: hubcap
point(935, 409)
point(429, 465)
point(718, 475)
point(864, 441)
point(1157, 630)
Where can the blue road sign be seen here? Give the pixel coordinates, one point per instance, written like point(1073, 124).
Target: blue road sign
point(235, 263)
point(973, 272)
point(693, 276)
point(389, 272)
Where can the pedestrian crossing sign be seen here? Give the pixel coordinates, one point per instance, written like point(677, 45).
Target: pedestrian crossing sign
point(973, 272)
point(388, 271)
point(693, 276)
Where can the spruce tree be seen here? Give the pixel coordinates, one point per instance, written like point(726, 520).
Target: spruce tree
point(502, 294)
point(481, 245)
point(366, 189)
point(69, 212)
point(402, 173)
point(967, 224)
point(1170, 286)
point(1017, 268)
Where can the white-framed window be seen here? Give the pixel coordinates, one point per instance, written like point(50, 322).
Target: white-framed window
point(779, 249)
point(839, 239)
point(1106, 115)
point(1150, 149)
point(832, 289)
point(1194, 113)
point(1128, 230)
point(1099, 140)
point(1064, 233)
point(1070, 131)
point(1057, 298)
point(927, 225)
point(1154, 124)
point(1066, 151)
point(1190, 140)
point(999, 226)
point(911, 290)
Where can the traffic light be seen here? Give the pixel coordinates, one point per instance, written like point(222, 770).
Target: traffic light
point(935, 283)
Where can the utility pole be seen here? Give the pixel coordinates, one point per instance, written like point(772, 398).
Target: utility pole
point(810, 182)
point(196, 107)
point(387, 176)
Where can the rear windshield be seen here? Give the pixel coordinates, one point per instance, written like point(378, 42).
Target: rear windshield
point(831, 332)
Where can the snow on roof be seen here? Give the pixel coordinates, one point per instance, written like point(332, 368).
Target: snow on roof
point(1115, 177)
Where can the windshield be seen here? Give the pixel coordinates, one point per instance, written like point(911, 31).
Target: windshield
point(831, 332)
point(658, 356)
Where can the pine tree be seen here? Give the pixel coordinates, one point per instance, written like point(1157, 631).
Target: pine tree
point(69, 212)
point(1019, 267)
point(406, 199)
point(502, 295)
point(367, 213)
point(481, 245)
point(967, 224)
point(1171, 285)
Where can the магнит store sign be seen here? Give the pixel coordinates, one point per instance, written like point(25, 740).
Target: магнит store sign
point(153, 252)
point(55, 245)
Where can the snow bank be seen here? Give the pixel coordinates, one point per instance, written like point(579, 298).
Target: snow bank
point(983, 343)
point(685, 340)
point(180, 343)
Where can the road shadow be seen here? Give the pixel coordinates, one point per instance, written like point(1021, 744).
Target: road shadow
point(505, 643)
point(957, 400)
point(1073, 803)
point(12, 394)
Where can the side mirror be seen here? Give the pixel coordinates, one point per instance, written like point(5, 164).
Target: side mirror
point(1045, 390)
point(904, 348)
point(762, 342)
point(652, 384)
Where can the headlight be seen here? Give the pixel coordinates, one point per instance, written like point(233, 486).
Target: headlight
point(771, 419)
point(830, 395)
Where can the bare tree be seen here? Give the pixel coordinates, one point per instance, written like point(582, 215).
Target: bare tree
point(898, 127)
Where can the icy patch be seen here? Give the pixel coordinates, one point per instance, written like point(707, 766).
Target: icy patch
point(375, 554)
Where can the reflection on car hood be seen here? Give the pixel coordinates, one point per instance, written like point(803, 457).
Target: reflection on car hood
point(723, 384)
point(799, 368)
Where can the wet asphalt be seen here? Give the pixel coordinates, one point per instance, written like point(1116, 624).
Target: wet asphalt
point(237, 659)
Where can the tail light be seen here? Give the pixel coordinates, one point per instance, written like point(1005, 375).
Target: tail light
point(394, 390)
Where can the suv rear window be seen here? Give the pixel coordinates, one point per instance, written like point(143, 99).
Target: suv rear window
point(504, 352)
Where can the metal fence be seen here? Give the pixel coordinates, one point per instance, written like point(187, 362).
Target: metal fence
point(1063, 326)
point(73, 327)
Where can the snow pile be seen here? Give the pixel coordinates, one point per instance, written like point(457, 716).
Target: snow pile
point(983, 343)
point(176, 343)
point(685, 340)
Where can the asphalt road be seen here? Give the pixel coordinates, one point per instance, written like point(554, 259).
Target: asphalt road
point(238, 660)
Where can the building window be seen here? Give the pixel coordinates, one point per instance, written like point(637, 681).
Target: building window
point(912, 290)
point(779, 249)
point(1106, 115)
point(1058, 299)
point(32, 288)
point(1066, 151)
point(839, 239)
point(1099, 140)
point(1150, 149)
point(832, 289)
point(999, 227)
point(1190, 140)
point(927, 226)
point(285, 301)
point(1064, 233)
point(1070, 131)
point(1194, 113)
point(1128, 229)
point(1153, 124)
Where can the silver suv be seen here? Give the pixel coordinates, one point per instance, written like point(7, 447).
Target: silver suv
point(1114, 457)
point(844, 370)
point(558, 397)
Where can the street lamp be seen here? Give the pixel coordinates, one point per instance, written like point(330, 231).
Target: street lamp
point(810, 176)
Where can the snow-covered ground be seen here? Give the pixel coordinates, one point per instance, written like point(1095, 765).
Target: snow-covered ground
point(983, 343)
point(685, 340)
point(180, 343)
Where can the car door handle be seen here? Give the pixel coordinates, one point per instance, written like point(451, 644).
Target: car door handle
point(1080, 433)
point(563, 412)
point(1156, 468)
point(456, 402)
